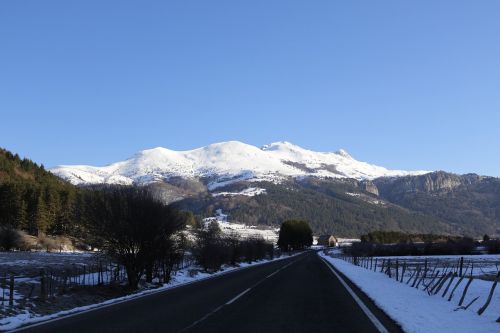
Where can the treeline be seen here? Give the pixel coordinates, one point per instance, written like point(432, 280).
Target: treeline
point(213, 248)
point(389, 237)
point(393, 243)
point(491, 245)
point(459, 246)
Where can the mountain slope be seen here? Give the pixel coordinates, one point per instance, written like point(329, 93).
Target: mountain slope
point(224, 163)
point(470, 203)
point(338, 206)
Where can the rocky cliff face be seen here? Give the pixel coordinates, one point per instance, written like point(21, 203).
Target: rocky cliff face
point(429, 183)
point(469, 202)
point(369, 187)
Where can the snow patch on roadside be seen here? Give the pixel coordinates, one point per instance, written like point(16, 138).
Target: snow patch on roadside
point(416, 311)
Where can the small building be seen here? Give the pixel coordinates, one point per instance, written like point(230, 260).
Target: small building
point(327, 240)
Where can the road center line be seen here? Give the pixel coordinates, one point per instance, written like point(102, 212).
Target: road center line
point(267, 277)
point(235, 298)
point(380, 327)
point(238, 296)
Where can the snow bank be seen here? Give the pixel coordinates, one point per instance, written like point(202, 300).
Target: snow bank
point(416, 311)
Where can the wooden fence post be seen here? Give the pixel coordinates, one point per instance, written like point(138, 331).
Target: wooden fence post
point(31, 290)
point(465, 291)
point(455, 288)
point(443, 282)
point(416, 277)
point(84, 274)
point(431, 291)
point(449, 284)
point(461, 263)
point(471, 302)
point(492, 290)
point(50, 284)
point(3, 283)
point(11, 290)
point(411, 276)
point(432, 280)
point(42, 285)
point(421, 280)
point(99, 273)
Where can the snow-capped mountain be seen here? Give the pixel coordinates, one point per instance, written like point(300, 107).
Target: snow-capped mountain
point(227, 162)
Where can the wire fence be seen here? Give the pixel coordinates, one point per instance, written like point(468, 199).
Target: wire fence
point(51, 281)
point(436, 277)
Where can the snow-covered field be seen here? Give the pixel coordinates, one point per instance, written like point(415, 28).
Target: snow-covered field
point(26, 266)
point(484, 266)
point(248, 192)
point(243, 230)
point(181, 277)
point(416, 311)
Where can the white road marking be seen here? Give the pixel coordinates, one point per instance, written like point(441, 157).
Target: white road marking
point(235, 298)
point(238, 296)
point(201, 319)
point(267, 277)
point(132, 298)
point(380, 327)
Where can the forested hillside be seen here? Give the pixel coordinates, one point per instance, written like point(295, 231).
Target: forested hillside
point(33, 199)
point(324, 204)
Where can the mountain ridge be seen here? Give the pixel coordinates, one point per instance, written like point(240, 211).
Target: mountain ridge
point(225, 162)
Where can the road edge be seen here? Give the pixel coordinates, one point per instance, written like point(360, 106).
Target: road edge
point(385, 323)
point(132, 297)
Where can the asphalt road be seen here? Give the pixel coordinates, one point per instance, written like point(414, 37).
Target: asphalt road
point(299, 294)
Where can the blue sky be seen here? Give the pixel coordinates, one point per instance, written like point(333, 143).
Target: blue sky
point(403, 84)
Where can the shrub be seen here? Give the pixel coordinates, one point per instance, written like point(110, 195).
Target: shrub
point(295, 235)
point(9, 238)
point(214, 249)
point(210, 250)
point(492, 246)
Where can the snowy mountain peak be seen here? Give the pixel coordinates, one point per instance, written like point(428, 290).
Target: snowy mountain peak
point(226, 162)
point(343, 153)
point(279, 145)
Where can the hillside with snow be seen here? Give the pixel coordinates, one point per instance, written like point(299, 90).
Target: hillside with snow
point(223, 163)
